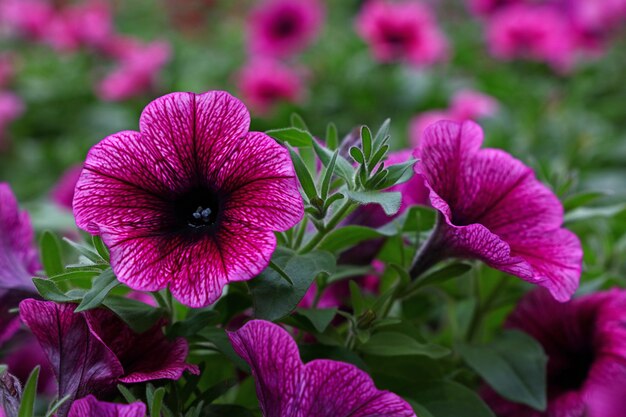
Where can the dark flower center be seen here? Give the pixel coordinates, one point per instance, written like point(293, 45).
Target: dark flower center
point(573, 374)
point(284, 26)
point(197, 209)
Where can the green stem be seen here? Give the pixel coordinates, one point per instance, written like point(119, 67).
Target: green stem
point(484, 307)
point(339, 215)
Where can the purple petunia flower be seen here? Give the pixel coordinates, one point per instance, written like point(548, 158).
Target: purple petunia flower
point(192, 200)
point(402, 31)
point(585, 341)
point(19, 260)
point(494, 209)
point(91, 407)
point(92, 351)
point(322, 388)
point(283, 27)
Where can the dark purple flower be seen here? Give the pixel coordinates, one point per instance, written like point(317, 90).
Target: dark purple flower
point(19, 260)
point(92, 351)
point(192, 200)
point(585, 340)
point(91, 407)
point(494, 209)
point(22, 354)
point(322, 388)
point(283, 27)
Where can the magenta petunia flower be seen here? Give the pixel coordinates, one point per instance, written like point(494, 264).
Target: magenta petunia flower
point(494, 209)
point(29, 18)
point(585, 341)
point(92, 351)
point(283, 27)
point(63, 192)
point(192, 200)
point(264, 83)
point(489, 6)
point(469, 104)
point(541, 33)
point(322, 388)
point(19, 260)
point(402, 31)
point(419, 123)
point(91, 407)
point(137, 70)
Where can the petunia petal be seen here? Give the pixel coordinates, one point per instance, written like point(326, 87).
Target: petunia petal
point(81, 364)
point(264, 191)
point(124, 183)
point(275, 363)
point(91, 407)
point(322, 388)
point(188, 130)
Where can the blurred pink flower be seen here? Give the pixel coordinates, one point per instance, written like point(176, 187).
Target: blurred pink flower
point(88, 24)
point(465, 105)
point(472, 105)
point(137, 71)
point(6, 70)
point(265, 82)
point(63, 192)
point(402, 31)
point(489, 6)
point(540, 33)
point(29, 18)
point(283, 27)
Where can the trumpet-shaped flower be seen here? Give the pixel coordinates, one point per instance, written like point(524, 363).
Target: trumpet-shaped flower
point(91, 407)
point(92, 351)
point(322, 388)
point(585, 341)
point(19, 260)
point(283, 27)
point(402, 31)
point(493, 208)
point(192, 200)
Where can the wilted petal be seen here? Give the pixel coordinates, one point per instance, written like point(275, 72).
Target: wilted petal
point(145, 356)
point(322, 388)
point(81, 363)
point(91, 407)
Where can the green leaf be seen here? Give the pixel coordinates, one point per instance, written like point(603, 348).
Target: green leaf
point(441, 275)
point(366, 141)
point(101, 248)
point(320, 318)
point(581, 199)
point(76, 278)
point(514, 365)
point(330, 170)
point(56, 405)
point(419, 409)
point(51, 254)
point(398, 173)
point(343, 168)
point(102, 285)
point(220, 340)
point(85, 251)
point(227, 410)
point(274, 298)
point(306, 180)
point(390, 202)
point(298, 122)
point(292, 136)
point(157, 402)
point(586, 213)
point(27, 406)
point(450, 399)
point(382, 134)
point(49, 291)
point(399, 344)
point(332, 137)
point(347, 237)
point(139, 316)
point(357, 154)
point(128, 396)
point(198, 320)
